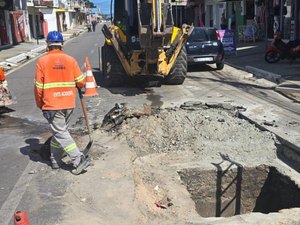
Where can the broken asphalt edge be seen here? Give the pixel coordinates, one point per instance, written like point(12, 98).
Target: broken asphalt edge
point(259, 73)
point(276, 79)
point(293, 147)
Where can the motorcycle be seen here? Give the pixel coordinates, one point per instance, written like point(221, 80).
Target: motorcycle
point(280, 50)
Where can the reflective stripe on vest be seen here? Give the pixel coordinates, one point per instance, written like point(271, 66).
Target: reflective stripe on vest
point(55, 85)
point(54, 144)
point(60, 84)
point(80, 78)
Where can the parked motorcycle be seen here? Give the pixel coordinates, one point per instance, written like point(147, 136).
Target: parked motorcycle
point(281, 50)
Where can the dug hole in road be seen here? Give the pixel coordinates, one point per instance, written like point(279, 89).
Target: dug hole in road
point(194, 164)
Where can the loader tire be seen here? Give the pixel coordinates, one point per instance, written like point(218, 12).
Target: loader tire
point(112, 69)
point(178, 72)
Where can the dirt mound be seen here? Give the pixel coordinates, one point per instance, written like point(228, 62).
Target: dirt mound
point(203, 130)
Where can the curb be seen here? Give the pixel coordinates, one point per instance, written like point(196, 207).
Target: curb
point(276, 78)
point(259, 73)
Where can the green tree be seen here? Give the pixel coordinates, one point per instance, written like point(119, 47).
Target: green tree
point(89, 4)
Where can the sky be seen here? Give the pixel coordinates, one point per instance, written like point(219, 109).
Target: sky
point(103, 4)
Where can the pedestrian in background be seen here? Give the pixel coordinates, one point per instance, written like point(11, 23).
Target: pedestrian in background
point(94, 23)
point(223, 22)
point(57, 76)
point(233, 21)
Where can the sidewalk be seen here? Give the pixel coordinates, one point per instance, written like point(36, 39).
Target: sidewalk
point(250, 57)
point(15, 55)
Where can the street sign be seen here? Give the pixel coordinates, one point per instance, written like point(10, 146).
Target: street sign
point(228, 39)
point(180, 3)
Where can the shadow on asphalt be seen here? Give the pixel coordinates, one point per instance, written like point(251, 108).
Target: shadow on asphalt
point(132, 87)
point(236, 84)
point(34, 149)
point(4, 109)
point(201, 68)
point(40, 152)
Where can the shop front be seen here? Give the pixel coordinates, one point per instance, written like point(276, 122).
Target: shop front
point(282, 16)
point(61, 19)
point(5, 35)
point(18, 26)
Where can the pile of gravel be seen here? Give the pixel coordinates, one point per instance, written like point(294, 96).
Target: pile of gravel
point(204, 130)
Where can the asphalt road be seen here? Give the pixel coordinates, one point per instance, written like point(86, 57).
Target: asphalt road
point(24, 129)
point(26, 183)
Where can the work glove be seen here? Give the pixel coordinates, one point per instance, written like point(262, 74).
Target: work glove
point(49, 114)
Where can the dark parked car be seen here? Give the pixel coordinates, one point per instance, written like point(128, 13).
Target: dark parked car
point(204, 47)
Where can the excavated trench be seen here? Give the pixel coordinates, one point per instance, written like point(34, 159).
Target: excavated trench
point(236, 174)
point(235, 190)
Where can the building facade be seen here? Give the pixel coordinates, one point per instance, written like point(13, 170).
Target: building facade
point(268, 16)
point(25, 20)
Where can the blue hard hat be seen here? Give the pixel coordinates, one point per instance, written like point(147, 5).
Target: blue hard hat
point(54, 36)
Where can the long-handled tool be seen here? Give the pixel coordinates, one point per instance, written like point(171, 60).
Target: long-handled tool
point(89, 145)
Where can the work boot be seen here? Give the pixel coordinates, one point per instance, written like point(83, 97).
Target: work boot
point(83, 164)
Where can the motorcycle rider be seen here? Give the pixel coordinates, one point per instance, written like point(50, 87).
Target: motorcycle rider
point(57, 76)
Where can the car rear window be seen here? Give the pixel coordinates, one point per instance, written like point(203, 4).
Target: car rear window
point(203, 35)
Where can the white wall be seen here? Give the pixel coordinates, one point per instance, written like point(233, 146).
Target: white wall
point(27, 27)
point(68, 19)
point(213, 11)
point(50, 16)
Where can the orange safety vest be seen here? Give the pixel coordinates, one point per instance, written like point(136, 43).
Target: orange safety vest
point(2, 75)
point(56, 78)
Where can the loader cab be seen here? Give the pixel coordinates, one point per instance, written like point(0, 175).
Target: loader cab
point(126, 18)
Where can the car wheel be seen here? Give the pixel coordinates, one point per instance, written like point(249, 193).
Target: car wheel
point(220, 65)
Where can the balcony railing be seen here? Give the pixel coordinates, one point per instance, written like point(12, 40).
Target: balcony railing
point(48, 3)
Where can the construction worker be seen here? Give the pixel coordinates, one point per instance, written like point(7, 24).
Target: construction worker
point(57, 76)
point(5, 95)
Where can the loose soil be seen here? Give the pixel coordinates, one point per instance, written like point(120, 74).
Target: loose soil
point(195, 131)
point(164, 142)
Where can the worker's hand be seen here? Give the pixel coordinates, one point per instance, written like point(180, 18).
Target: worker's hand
point(49, 114)
point(80, 92)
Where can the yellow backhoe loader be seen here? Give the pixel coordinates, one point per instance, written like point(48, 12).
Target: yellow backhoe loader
point(142, 42)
